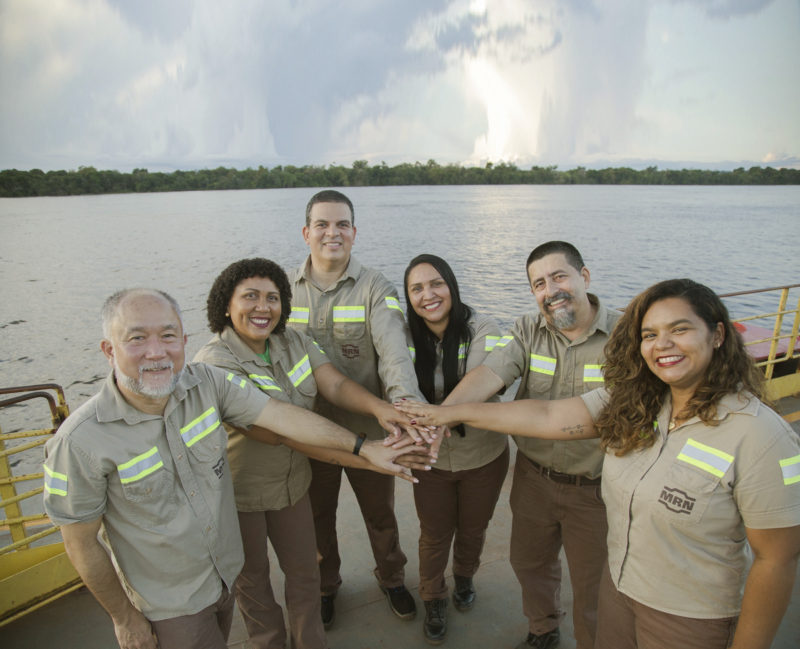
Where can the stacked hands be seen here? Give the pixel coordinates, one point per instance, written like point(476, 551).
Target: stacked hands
point(417, 429)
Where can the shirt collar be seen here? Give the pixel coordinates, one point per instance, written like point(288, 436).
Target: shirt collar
point(239, 348)
point(603, 321)
point(352, 271)
point(112, 406)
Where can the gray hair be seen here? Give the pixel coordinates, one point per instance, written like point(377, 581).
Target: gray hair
point(111, 305)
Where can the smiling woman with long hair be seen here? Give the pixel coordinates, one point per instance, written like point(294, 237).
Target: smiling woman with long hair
point(458, 496)
point(696, 468)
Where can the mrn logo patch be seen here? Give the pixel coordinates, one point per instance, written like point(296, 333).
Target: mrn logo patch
point(676, 500)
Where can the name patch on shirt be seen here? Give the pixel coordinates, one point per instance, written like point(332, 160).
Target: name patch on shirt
point(351, 351)
point(676, 500)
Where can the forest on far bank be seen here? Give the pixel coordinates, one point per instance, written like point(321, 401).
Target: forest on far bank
point(88, 180)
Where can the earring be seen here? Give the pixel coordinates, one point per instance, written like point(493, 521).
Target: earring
point(227, 315)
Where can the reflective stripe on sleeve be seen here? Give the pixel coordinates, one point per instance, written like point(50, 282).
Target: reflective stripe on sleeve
point(197, 429)
point(504, 341)
point(543, 364)
point(300, 371)
point(393, 303)
point(316, 344)
point(413, 352)
point(490, 342)
point(54, 483)
point(264, 382)
point(462, 351)
point(349, 314)
point(299, 314)
point(592, 373)
point(236, 380)
point(140, 466)
point(790, 467)
point(705, 457)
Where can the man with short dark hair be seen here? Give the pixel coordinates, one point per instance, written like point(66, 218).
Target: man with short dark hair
point(145, 460)
point(353, 312)
point(555, 497)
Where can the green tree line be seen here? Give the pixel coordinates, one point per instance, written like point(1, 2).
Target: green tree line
point(88, 180)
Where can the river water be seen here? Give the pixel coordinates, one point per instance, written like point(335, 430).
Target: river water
point(60, 257)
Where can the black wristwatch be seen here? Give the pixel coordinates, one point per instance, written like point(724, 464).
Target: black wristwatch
point(359, 441)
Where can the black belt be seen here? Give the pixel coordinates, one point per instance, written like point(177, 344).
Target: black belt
point(564, 478)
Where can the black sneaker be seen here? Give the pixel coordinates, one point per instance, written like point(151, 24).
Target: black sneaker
point(328, 612)
point(401, 602)
point(463, 593)
point(435, 626)
point(547, 640)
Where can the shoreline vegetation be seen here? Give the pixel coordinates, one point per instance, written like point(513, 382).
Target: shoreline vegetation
point(88, 180)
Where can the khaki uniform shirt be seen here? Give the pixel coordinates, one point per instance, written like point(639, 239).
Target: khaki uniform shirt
point(677, 511)
point(359, 323)
point(478, 447)
point(161, 484)
point(267, 477)
point(553, 367)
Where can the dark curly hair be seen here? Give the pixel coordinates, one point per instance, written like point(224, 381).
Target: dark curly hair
point(636, 394)
point(223, 287)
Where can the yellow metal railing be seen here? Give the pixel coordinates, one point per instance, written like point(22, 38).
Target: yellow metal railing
point(31, 574)
point(780, 362)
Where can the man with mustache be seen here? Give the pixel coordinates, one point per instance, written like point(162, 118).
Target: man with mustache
point(555, 496)
point(144, 460)
point(353, 312)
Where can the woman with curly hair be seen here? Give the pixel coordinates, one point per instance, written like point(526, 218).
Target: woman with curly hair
point(696, 469)
point(458, 496)
point(248, 306)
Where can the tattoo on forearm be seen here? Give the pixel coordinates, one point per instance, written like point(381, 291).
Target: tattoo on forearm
point(577, 429)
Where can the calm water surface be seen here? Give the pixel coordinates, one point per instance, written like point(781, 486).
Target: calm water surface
point(60, 257)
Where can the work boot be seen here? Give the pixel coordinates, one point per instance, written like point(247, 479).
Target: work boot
point(435, 626)
point(328, 612)
point(463, 593)
point(547, 640)
point(401, 602)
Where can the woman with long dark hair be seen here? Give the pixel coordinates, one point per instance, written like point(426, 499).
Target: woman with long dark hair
point(458, 496)
point(696, 469)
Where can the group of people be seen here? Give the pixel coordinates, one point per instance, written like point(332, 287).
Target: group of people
point(643, 450)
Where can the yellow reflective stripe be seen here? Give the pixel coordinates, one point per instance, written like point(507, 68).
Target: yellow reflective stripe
point(264, 382)
point(490, 342)
point(299, 314)
point(504, 341)
point(55, 483)
point(300, 371)
point(543, 364)
point(413, 352)
point(140, 466)
point(393, 303)
point(198, 428)
point(316, 344)
point(462, 351)
point(790, 467)
point(349, 314)
point(236, 380)
point(592, 373)
point(705, 457)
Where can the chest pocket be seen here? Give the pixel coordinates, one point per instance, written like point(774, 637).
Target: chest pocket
point(349, 322)
point(542, 369)
point(144, 478)
point(302, 378)
point(204, 436)
point(691, 481)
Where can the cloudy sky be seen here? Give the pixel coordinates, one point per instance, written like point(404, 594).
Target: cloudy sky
point(168, 84)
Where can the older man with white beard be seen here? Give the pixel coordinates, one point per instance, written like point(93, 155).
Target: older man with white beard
point(145, 458)
point(555, 497)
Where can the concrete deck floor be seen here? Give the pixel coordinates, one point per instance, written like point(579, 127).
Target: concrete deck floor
point(363, 618)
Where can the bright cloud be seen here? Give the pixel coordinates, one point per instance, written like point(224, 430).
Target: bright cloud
point(198, 83)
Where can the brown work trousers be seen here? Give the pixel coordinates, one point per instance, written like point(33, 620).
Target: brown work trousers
point(291, 532)
point(624, 623)
point(206, 629)
point(460, 504)
point(547, 514)
point(375, 495)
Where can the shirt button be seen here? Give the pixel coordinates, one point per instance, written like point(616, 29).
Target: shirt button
point(180, 457)
point(192, 494)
